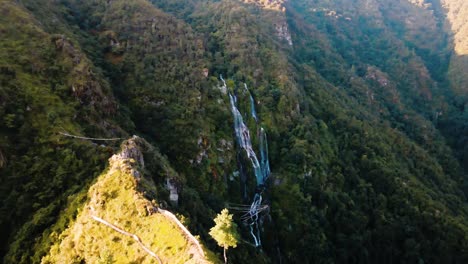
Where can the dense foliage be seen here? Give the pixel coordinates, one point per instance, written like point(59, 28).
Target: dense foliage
point(225, 231)
point(119, 223)
point(363, 102)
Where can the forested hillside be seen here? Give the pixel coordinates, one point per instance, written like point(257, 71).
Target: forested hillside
point(360, 107)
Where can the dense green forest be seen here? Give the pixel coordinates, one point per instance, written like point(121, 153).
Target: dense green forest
point(364, 103)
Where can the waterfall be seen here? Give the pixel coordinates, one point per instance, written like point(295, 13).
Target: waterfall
point(265, 163)
point(245, 142)
point(260, 167)
point(252, 104)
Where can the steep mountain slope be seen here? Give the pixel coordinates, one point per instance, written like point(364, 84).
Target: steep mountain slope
point(363, 103)
point(48, 85)
point(456, 123)
point(119, 223)
point(456, 23)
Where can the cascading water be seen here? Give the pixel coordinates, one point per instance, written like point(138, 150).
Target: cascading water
point(252, 104)
point(261, 168)
point(264, 163)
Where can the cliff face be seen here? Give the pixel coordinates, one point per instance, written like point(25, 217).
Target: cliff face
point(457, 12)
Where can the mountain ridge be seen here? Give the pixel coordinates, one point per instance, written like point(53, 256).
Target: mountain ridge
point(126, 169)
point(363, 102)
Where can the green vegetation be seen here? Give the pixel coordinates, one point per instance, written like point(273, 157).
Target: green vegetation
point(118, 197)
point(41, 168)
point(364, 104)
point(225, 231)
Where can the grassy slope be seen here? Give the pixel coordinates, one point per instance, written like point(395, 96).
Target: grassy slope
point(118, 197)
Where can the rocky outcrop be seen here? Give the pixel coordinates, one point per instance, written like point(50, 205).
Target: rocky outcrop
point(269, 4)
point(129, 158)
point(457, 13)
point(84, 83)
point(282, 32)
point(281, 26)
point(373, 73)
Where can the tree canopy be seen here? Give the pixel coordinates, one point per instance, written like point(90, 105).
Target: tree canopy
point(225, 231)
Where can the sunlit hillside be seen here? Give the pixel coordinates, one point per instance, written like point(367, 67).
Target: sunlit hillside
point(333, 131)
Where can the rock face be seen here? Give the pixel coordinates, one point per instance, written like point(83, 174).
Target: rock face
point(173, 191)
point(375, 74)
point(269, 4)
point(84, 83)
point(282, 32)
point(130, 153)
point(279, 9)
point(457, 13)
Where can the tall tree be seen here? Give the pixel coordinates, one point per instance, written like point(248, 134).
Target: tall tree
point(225, 231)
